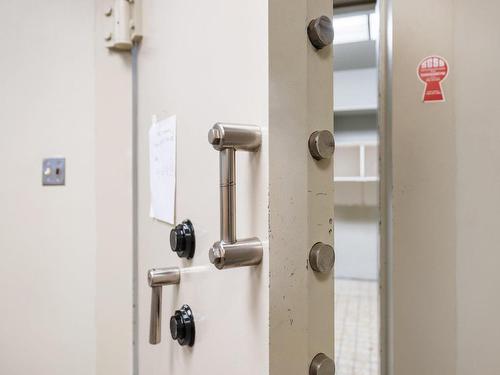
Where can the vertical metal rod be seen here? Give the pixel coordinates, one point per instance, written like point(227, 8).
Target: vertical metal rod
point(155, 321)
point(135, 208)
point(227, 164)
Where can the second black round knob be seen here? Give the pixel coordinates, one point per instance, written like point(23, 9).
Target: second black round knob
point(182, 326)
point(182, 239)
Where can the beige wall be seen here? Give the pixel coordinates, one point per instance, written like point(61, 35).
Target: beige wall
point(114, 171)
point(47, 234)
point(477, 114)
point(424, 203)
point(67, 252)
point(444, 199)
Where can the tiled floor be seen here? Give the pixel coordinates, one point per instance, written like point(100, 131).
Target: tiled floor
point(356, 327)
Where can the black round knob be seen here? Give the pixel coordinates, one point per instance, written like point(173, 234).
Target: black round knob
point(182, 326)
point(182, 239)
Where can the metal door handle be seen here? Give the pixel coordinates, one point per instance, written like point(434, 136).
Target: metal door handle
point(157, 278)
point(230, 252)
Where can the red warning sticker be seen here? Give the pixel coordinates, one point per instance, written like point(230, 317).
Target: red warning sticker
point(432, 71)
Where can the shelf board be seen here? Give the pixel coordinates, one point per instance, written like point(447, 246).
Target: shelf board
point(356, 193)
point(355, 179)
point(357, 143)
point(355, 111)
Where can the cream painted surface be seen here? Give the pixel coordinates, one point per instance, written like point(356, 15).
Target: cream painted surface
point(114, 166)
point(66, 251)
point(47, 234)
point(424, 198)
point(320, 288)
point(205, 62)
point(445, 205)
point(223, 64)
point(477, 116)
point(384, 118)
point(301, 189)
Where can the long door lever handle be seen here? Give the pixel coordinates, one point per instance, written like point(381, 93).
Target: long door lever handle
point(157, 278)
point(230, 252)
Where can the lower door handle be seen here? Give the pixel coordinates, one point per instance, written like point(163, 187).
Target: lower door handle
point(157, 278)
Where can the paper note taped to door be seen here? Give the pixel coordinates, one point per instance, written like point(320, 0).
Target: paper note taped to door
point(162, 150)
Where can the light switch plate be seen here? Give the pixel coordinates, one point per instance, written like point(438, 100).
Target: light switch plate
point(54, 171)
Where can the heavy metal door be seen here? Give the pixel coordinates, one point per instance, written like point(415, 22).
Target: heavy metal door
point(263, 309)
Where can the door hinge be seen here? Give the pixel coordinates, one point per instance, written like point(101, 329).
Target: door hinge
point(125, 30)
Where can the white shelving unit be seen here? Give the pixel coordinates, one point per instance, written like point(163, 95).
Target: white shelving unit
point(355, 107)
point(356, 162)
point(356, 173)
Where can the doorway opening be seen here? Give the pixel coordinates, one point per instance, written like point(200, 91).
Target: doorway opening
point(357, 215)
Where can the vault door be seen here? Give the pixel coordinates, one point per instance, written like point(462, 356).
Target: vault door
point(211, 65)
